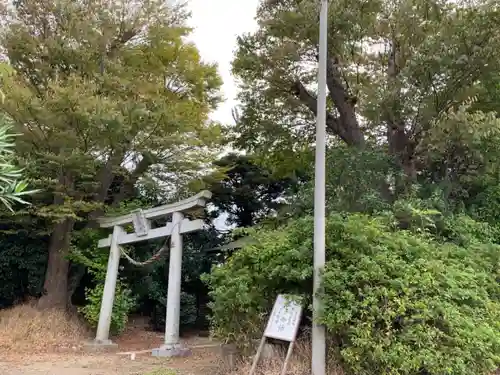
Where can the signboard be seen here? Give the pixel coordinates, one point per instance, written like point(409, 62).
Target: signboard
point(284, 320)
point(283, 325)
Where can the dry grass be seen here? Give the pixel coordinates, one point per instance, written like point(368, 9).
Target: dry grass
point(300, 364)
point(25, 328)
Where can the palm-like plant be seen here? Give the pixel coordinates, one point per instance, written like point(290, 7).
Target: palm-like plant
point(12, 184)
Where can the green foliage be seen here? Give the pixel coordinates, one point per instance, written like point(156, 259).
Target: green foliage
point(398, 301)
point(464, 231)
point(102, 86)
point(356, 181)
point(461, 157)
point(86, 253)
point(394, 68)
point(486, 203)
point(244, 287)
point(110, 84)
point(247, 192)
point(22, 266)
point(12, 185)
point(394, 299)
point(124, 303)
point(189, 308)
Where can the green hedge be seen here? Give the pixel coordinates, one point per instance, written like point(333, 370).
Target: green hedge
point(396, 302)
point(23, 260)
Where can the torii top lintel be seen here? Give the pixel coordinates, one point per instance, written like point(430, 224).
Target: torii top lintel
point(198, 200)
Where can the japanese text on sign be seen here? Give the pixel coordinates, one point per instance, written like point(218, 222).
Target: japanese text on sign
point(284, 320)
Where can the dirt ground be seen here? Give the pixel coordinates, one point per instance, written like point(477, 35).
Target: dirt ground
point(77, 365)
point(102, 365)
point(202, 361)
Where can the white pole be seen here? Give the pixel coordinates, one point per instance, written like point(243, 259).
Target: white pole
point(174, 285)
point(318, 364)
point(108, 296)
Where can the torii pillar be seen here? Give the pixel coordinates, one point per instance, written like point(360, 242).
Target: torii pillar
point(142, 231)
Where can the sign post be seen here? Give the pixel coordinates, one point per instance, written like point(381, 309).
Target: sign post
point(283, 324)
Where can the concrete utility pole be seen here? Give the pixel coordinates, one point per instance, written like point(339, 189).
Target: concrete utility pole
point(318, 364)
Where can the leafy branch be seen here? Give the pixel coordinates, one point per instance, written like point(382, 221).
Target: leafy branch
point(12, 184)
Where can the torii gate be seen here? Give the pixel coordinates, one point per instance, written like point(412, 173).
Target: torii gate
point(141, 221)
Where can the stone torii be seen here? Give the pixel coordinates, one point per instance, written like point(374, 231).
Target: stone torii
point(141, 221)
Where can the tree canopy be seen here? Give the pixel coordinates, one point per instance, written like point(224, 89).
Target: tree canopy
point(106, 95)
point(247, 192)
point(394, 69)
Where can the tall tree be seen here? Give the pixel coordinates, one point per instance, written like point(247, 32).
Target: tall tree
point(103, 91)
point(248, 192)
point(394, 67)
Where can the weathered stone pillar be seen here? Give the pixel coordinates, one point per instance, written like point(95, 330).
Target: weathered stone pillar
point(108, 296)
point(172, 345)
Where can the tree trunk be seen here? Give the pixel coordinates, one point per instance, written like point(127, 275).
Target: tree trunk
point(128, 185)
point(56, 277)
point(106, 177)
point(399, 141)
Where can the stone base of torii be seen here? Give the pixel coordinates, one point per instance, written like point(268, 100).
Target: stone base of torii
point(175, 228)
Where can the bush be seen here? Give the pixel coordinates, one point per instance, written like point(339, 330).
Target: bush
point(23, 262)
point(395, 301)
point(123, 305)
point(243, 289)
point(84, 251)
point(188, 314)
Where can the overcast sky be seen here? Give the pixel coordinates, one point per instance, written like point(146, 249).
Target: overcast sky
point(217, 23)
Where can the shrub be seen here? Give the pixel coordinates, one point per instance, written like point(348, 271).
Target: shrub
point(22, 266)
point(394, 301)
point(188, 313)
point(243, 289)
point(124, 303)
point(400, 302)
point(85, 252)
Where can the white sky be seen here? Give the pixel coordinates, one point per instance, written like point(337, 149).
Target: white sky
point(217, 23)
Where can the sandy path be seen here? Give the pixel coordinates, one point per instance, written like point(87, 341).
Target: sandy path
point(75, 361)
point(111, 364)
point(80, 365)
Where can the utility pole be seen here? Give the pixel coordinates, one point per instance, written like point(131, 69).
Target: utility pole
point(318, 364)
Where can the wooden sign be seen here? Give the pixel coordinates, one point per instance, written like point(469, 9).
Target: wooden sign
point(284, 320)
point(283, 324)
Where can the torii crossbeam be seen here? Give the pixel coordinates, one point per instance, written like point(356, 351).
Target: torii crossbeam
point(141, 221)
